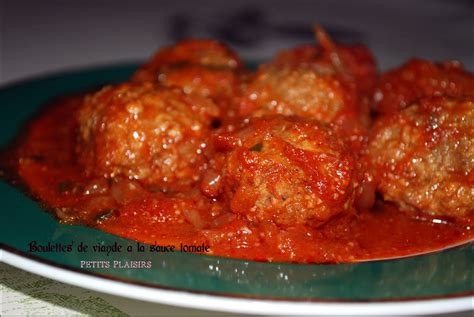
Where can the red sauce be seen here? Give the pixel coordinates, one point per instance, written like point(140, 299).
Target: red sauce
point(44, 160)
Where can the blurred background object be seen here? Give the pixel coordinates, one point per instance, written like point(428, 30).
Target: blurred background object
point(52, 35)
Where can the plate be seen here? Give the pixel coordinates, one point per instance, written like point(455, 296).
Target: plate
point(433, 283)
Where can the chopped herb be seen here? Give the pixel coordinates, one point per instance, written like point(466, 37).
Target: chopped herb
point(257, 147)
point(155, 189)
point(106, 214)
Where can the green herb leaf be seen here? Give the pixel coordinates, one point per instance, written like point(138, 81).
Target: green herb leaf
point(257, 147)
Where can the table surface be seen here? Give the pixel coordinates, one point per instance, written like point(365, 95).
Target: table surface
point(24, 294)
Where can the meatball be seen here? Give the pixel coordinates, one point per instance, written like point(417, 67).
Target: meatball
point(324, 82)
point(423, 156)
point(304, 91)
point(204, 67)
point(218, 84)
point(283, 169)
point(297, 90)
point(400, 87)
point(141, 131)
point(207, 53)
point(352, 61)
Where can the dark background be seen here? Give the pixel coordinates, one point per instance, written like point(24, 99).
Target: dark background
point(45, 36)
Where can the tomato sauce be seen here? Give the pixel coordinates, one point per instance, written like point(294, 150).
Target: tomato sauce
point(43, 159)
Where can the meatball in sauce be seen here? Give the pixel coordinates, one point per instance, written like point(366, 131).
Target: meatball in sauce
point(204, 67)
point(400, 87)
point(423, 156)
point(286, 170)
point(328, 82)
point(145, 132)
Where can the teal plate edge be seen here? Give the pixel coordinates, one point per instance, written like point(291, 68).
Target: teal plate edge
point(447, 273)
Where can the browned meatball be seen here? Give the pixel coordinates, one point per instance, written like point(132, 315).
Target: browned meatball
point(283, 169)
point(400, 87)
point(207, 53)
point(141, 131)
point(423, 156)
point(205, 67)
point(353, 62)
point(329, 83)
point(301, 90)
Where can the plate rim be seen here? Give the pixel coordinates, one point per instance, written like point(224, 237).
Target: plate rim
point(37, 259)
point(233, 303)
